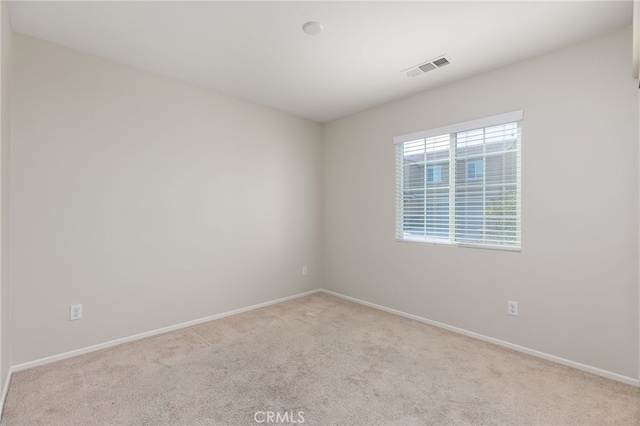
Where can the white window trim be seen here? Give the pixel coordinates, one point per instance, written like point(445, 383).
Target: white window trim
point(494, 120)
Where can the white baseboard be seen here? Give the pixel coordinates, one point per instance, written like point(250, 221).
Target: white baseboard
point(5, 391)
point(543, 355)
point(88, 349)
point(533, 352)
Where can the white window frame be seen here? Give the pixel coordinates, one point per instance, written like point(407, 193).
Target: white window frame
point(399, 141)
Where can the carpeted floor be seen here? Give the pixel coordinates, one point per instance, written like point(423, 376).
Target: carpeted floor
point(316, 360)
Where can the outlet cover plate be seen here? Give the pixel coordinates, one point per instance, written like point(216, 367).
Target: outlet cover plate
point(75, 312)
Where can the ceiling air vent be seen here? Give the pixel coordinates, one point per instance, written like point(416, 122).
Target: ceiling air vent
point(427, 67)
point(441, 62)
point(431, 65)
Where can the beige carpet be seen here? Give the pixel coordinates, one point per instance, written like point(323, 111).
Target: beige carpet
point(317, 360)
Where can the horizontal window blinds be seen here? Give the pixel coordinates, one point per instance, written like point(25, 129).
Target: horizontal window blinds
point(461, 186)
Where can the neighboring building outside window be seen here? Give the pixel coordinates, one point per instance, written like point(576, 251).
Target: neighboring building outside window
point(460, 184)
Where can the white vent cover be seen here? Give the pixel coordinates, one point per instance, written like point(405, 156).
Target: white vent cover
point(425, 67)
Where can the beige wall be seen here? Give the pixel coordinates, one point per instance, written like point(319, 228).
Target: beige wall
point(576, 278)
point(5, 134)
point(154, 202)
point(150, 201)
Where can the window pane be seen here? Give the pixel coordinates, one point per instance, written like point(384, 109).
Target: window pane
point(486, 186)
point(425, 197)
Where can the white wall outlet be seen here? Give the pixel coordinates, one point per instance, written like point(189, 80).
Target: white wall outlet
point(75, 312)
point(304, 270)
point(512, 308)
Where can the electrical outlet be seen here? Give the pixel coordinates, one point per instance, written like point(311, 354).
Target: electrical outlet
point(304, 270)
point(512, 308)
point(75, 312)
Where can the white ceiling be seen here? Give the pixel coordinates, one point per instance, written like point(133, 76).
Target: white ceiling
point(258, 51)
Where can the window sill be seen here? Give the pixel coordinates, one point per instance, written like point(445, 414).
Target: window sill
point(445, 243)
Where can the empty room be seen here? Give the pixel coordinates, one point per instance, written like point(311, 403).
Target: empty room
point(319, 212)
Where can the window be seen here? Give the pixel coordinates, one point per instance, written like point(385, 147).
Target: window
point(434, 174)
point(460, 184)
point(475, 170)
